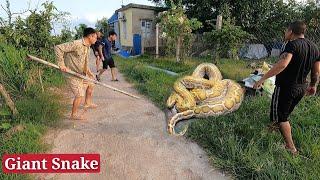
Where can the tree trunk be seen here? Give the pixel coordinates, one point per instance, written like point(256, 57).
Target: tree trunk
point(8, 100)
point(178, 48)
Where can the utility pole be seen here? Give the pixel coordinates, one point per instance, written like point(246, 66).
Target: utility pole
point(217, 49)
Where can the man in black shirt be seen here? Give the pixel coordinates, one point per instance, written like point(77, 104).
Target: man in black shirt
point(298, 58)
point(98, 49)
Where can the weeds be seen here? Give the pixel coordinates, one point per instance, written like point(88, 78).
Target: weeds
point(37, 110)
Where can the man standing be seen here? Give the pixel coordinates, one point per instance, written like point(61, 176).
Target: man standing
point(108, 60)
point(98, 50)
point(75, 56)
point(298, 58)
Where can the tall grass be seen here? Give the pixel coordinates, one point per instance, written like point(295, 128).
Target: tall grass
point(239, 142)
point(20, 76)
point(37, 109)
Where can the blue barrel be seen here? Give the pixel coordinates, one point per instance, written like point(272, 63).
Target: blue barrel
point(136, 44)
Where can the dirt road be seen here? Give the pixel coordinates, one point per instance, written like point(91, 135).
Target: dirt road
point(131, 137)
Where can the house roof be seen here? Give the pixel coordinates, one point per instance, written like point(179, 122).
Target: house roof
point(113, 18)
point(138, 6)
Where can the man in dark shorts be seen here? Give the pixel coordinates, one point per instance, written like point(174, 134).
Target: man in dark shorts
point(98, 49)
point(108, 60)
point(297, 59)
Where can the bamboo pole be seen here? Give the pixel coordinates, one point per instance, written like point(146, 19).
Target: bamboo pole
point(81, 76)
point(157, 40)
point(40, 79)
point(8, 100)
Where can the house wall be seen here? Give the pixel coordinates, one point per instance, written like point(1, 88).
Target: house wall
point(125, 27)
point(144, 14)
point(132, 26)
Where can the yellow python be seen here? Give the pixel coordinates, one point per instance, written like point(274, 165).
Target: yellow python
point(201, 95)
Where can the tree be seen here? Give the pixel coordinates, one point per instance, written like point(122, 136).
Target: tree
point(102, 25)
point(66, 34)
point(33, 32)
point(227, 40)
point(178, 28)
point(205, 11)
point(10, 14)
point(311, 14)
point(265, 19)
point(79, 30)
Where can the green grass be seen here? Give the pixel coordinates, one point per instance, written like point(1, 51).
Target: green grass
point(36, 115)
point(37, 110)
point(156, 85)
point(239, 142)
point(26, 141)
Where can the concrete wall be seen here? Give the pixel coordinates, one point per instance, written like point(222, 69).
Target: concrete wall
point(144, 14)
point(132, 26)
point(126, 36)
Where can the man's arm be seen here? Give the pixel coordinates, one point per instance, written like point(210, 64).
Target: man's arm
point(283, 62)
point(101, 52)
point(315, 73)
point(60, 50)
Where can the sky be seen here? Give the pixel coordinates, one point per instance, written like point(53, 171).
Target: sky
point(81, 11)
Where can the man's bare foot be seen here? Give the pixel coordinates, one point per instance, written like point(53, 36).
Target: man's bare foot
point(293, 151)
point(77, 117)
point(90, 106)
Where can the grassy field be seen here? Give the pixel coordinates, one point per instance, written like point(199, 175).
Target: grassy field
point(238, 143)
point(38, 109)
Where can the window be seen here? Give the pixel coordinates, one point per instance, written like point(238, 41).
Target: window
point(146, 27)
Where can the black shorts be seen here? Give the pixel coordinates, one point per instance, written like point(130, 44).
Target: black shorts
point(108, 62)
point(284, 100)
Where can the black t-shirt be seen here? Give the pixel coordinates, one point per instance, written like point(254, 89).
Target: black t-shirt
point(305, 54)
point(95, 47)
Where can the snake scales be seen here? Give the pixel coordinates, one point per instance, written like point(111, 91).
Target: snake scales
point(202, 94)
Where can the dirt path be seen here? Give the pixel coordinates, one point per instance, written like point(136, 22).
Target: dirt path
point(131, 137)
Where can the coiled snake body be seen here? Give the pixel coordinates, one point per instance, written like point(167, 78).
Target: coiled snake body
point(201, 95)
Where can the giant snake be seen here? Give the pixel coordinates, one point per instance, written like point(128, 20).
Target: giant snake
point(202, 94)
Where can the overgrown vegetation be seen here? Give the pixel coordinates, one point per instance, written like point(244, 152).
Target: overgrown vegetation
point(177, 29)
point(37, 109)
point(265, 19)
point(29, 84)
point(229, 39)
point(252, 22)
point(238, 143)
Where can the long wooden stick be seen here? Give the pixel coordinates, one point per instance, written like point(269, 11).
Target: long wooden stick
point(40, 79)
point(8, 100)
point(81, 76)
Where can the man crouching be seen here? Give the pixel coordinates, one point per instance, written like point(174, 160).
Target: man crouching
point(75, 56)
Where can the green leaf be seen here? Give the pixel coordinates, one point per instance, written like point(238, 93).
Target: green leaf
point(5, 126)
point(5, 111)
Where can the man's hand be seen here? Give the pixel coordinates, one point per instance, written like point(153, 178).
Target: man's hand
point(102, 59)
point(63, 68)
point(311, 90)
point(90, 75)
point(258, 84)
